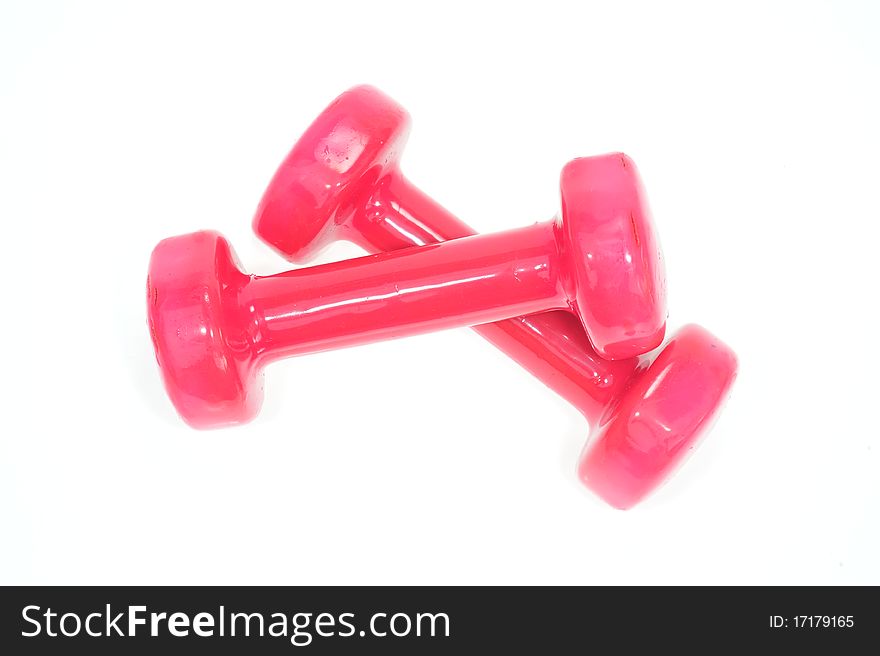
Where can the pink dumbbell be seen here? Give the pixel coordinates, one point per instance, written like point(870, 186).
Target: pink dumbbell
point(213, 326)
point(342, 181)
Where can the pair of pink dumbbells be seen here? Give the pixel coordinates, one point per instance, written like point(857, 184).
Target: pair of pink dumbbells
point(576, 300)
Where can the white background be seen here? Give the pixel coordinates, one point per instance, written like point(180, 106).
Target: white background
point(435, 459)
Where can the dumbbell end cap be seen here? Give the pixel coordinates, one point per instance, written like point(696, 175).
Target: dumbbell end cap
point(210, 383)
point(660, 419)
point(331, 171)
point(609, 238)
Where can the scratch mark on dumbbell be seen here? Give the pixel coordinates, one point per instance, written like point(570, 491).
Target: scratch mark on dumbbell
point(632, 221)
point(154, 293)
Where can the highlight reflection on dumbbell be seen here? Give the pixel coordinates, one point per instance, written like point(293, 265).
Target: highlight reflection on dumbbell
point(214, 327)
point(342, 180)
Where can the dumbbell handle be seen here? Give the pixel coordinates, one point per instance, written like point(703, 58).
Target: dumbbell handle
point(451, 284)
point(551, 345)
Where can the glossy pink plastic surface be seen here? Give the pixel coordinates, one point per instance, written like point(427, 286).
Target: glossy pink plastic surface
point(338, 178)
point(375, 206)
point(213, 326)
point(643, 437)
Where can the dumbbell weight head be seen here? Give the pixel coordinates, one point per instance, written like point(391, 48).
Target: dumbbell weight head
point(355, 141)
point(610, 242)
point(649, 430)
point(206, 360)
